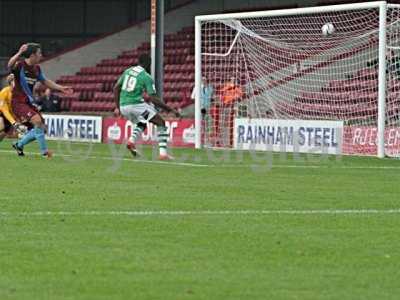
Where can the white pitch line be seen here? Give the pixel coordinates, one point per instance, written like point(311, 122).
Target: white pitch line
point(266, 165)
point(138, 160)
point(204, 212)
point(262, 164)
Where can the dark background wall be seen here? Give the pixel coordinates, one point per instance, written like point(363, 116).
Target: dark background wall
point(60, 24)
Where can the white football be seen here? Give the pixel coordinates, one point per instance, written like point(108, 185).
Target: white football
point(328, 29)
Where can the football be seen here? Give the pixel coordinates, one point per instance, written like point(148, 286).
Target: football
point(328, 29)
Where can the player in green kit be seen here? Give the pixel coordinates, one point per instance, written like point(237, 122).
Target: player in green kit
point(128, 95)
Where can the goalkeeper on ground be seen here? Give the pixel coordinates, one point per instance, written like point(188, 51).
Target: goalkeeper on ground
point(7, 120)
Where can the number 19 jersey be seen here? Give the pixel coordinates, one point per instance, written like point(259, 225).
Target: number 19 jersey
point(134, 82)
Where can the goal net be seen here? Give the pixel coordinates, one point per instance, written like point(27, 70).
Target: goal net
point(301, 80)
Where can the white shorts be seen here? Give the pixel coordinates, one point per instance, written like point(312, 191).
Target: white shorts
point(136, 113)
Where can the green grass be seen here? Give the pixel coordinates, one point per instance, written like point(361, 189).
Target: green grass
point(71, 253)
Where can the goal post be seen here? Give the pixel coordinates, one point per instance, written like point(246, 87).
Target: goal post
point(381, 80)
point(277, 82)
point(197, 82)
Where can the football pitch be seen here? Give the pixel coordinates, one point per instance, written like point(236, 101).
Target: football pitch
point(93, 223)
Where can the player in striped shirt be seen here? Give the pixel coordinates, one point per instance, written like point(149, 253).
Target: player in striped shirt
point(25, 67)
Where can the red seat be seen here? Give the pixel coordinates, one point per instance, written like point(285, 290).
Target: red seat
point(94, 84)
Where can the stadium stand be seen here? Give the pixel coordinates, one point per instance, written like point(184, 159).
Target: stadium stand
point(93, 85)
point(339, 99)
point(353, 99)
